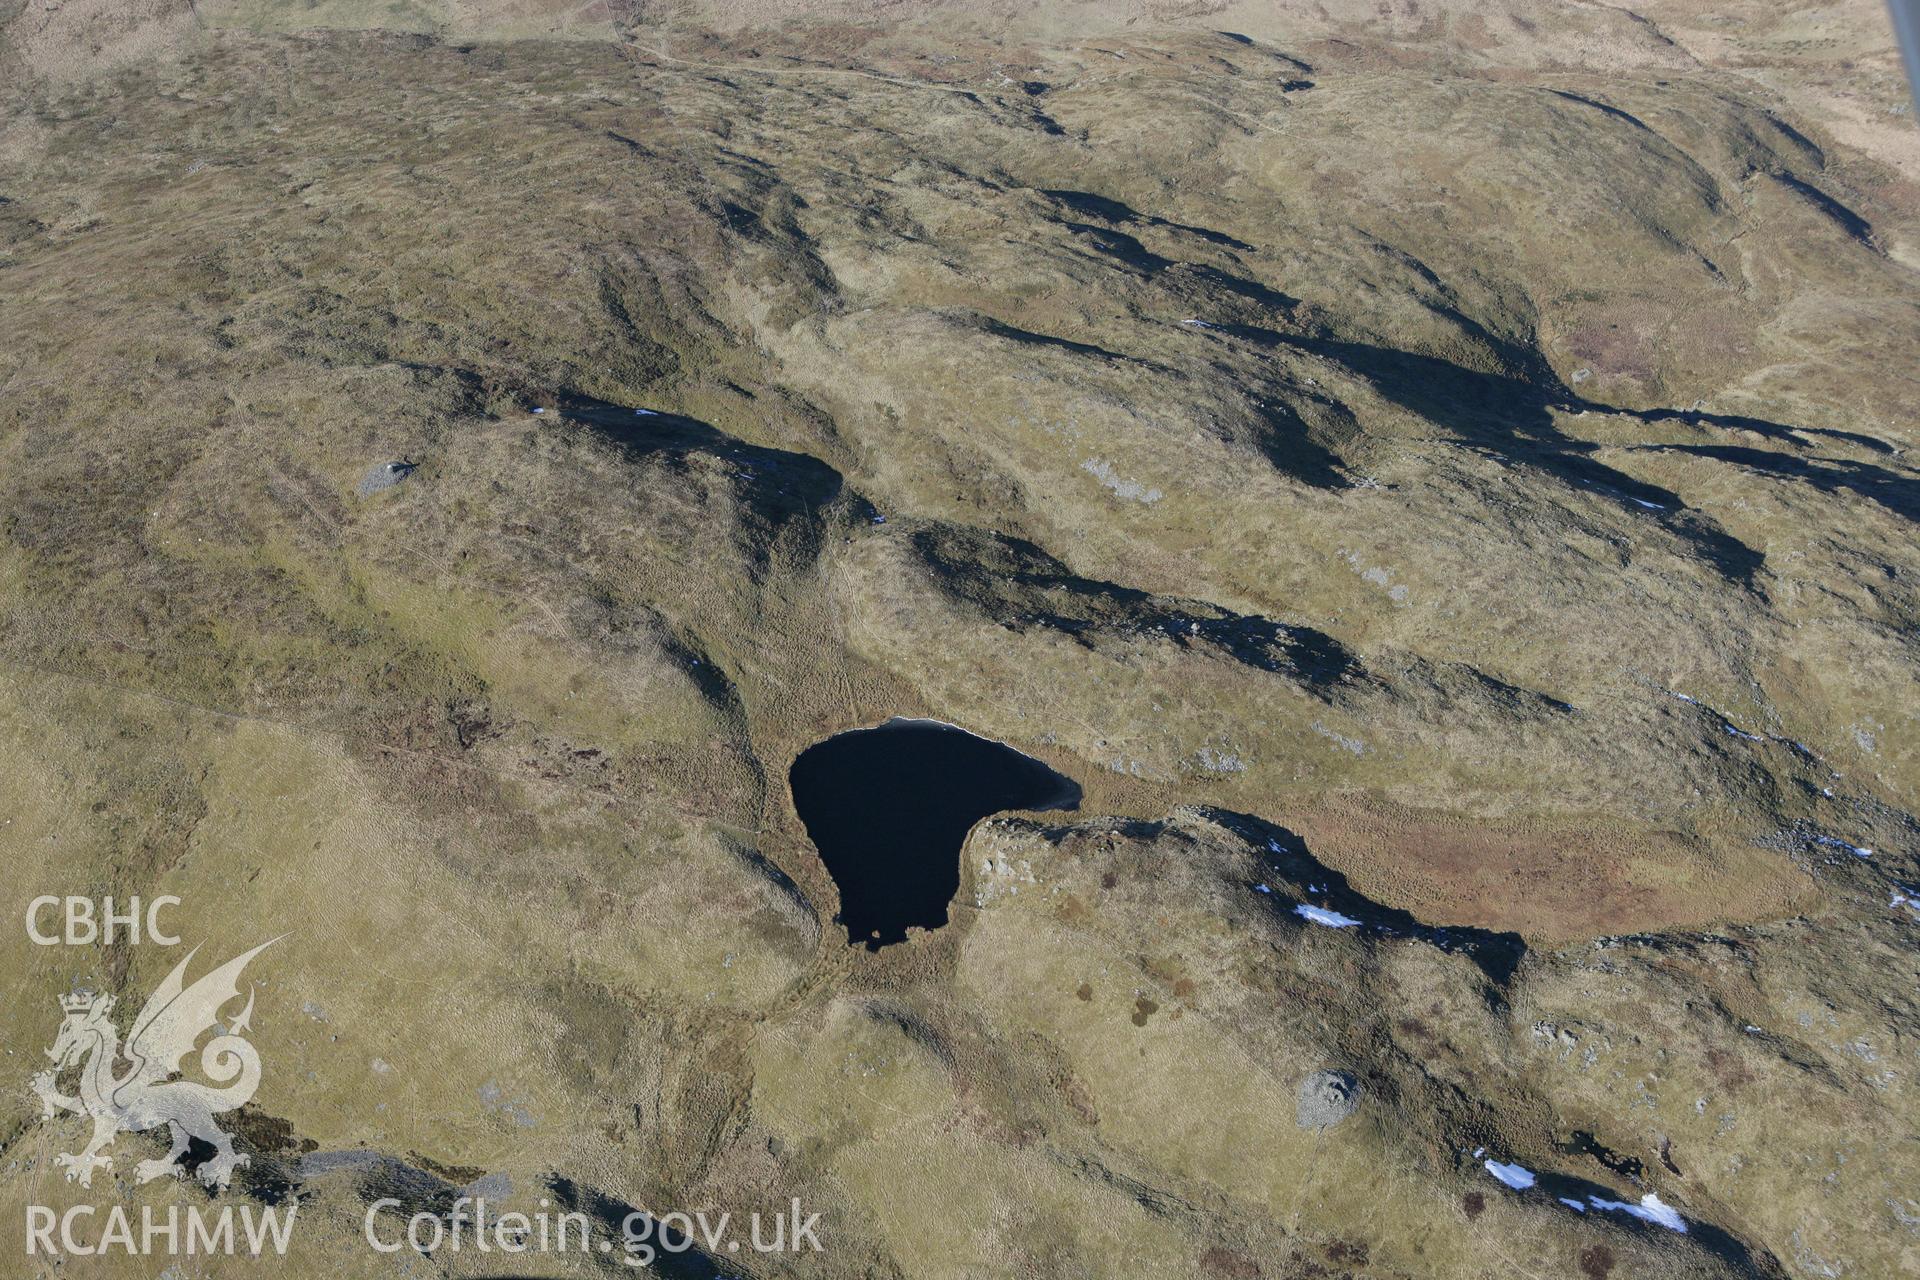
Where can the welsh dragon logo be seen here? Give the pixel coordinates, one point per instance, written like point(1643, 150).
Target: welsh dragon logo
point(143, 1097)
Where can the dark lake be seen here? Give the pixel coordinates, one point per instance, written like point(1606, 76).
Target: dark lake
point(888, 809)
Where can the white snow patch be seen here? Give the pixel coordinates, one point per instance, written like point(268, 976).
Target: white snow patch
point(1648, 1210)
point(1511, 1174)
point(1320, 915)
point(1835, 842)
point(1575, 1205)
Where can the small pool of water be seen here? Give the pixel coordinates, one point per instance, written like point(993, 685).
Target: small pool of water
point(889, 807)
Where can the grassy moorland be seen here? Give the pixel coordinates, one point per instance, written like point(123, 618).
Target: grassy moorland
point(1453, 470)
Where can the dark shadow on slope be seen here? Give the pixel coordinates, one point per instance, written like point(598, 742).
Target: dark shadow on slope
point(1252, 290)
point(1034, 338)
point(1513, 417)
point(1783, 432)
point(1583, 1143)
point(1015, 583)
point(1190, 276)
point(1510, 419)
point(634, 145)
point(787, 482)
point(1855, 227)
point(1122, 247)
point(777, 485)
point(1898, 493)
point(759, 864)
point(1603, 107)
point(1088, 205)
point(691, 657)
point(373, 1176)
point(1028, 337)
point(378, 1176)
point(1745, 1259)
point(1044, 122)
point(1249, 42)
point(1296, 878)
point(1286, 440)
point(285, 1164)
point(616, 1219)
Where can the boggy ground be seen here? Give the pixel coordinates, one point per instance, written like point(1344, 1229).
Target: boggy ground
point(1453, 477)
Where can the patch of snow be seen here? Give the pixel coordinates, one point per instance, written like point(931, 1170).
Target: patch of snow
point(1511, 1174)
point(1575, 1205)
point(1322, 916)
point(1835, 842)
point(646, 413)
point(1907, 896)
point(1650, 1209)
point(1741, 733)
point(1261, 888)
